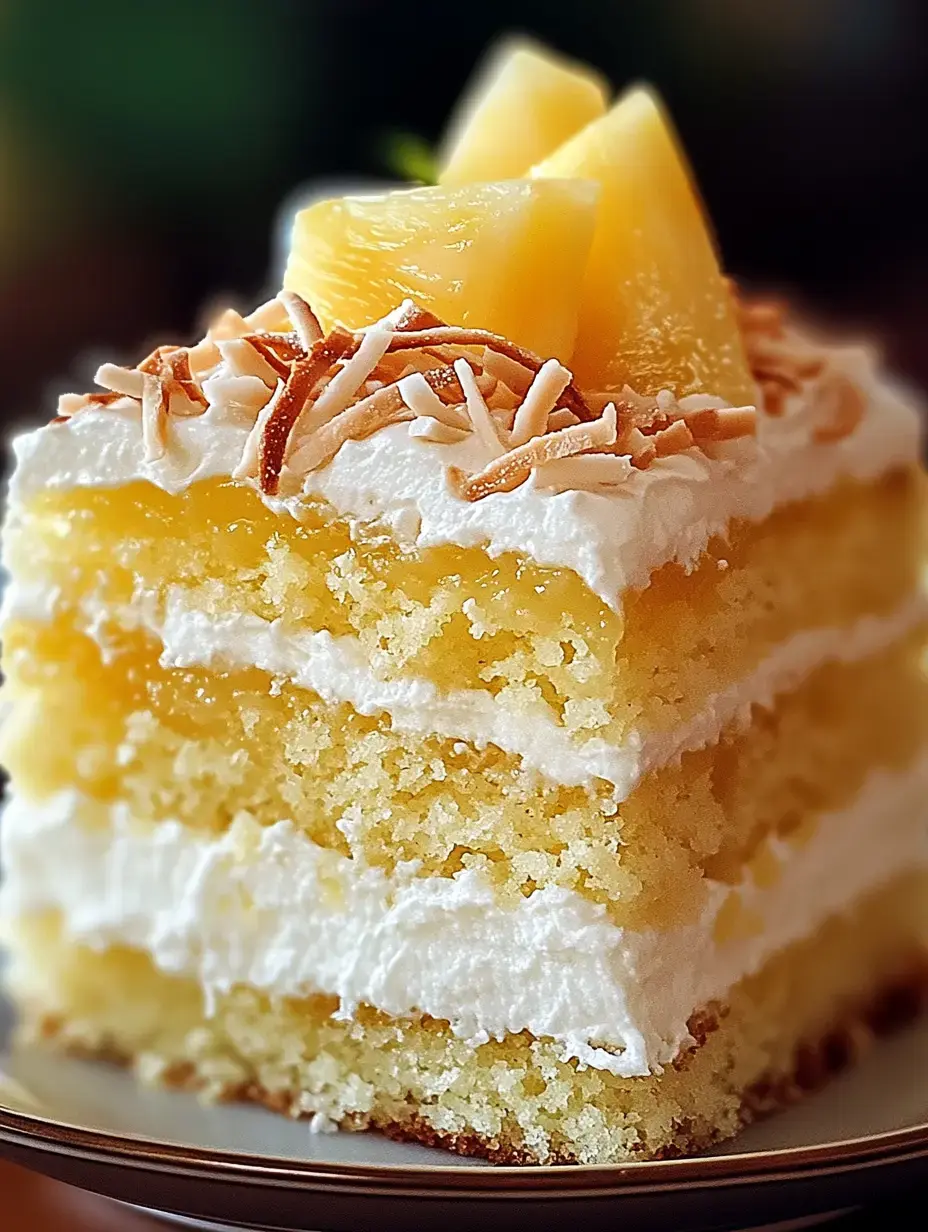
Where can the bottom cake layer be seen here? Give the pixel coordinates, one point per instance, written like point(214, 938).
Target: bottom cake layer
point(808, 1012)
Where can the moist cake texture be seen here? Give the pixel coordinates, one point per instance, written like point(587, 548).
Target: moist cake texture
point(408, 735)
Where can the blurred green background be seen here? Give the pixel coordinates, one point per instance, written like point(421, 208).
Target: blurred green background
point(148, 148)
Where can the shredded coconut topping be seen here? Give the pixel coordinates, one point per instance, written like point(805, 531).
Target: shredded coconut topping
point(311, 392)
point(154, 417)
point(842, 405)
point(540, 399)
point(510, 469)
point(305, 321)
point(354, 371)
point(481, 420)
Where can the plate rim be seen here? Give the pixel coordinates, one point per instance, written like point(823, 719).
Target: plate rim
point(34, 1131)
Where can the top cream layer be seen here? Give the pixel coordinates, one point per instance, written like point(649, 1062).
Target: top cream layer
point(613, 540)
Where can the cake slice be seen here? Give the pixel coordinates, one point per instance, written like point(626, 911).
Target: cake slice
point(408, 734)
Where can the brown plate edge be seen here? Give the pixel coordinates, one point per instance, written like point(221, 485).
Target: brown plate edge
point(44, 1134)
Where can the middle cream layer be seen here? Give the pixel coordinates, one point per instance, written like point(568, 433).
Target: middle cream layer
point(338, 670)
point(267, 907)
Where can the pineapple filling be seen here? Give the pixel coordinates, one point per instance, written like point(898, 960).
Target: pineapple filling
point(206, 748)
point(534, 638)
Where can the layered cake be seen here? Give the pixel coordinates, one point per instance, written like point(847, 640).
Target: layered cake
point(477, 696)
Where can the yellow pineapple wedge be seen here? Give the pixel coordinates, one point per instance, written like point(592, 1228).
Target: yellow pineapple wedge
point(655, 311)
point(524, 103)
point(507, 257)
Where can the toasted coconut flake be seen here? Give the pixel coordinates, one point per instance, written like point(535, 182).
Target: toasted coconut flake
point(808, 364)
point(177, 364)
point(72, 404)
point(483, 424)
point(422, 400)
point(784, 361)
point(517, 376)
point(640, 448)
point(180, 406)
point(269, 347)
point(504, 398)
point(384, 407)
point(393, 368)
point(676, 438)
point(483, 337)
point(642, 406)
point(185, 397)
point(643, 412)
point(203, 357)
point(503, 417)
point(841, 407)
point(588, 471)
point(304, 320)
point(248, 393)
point(724, 423)
point(781, 372)
point(272, 316)
point(286, 347)
point(774, 398)
point(427, 428)
point(488, 385)
point(300, 381)
point(666, 403)
point(598, 399)
point(410, 316)
point(154, 417)
point(243, 359)
point(531, 419)
point(129, 381)
point(154, 361)
point(348, 379)
point(445, 383)
point(790, 368)
point(513, 468)
point(561, 418)
point(249, 461)
point(448, 354)
point(229, 324)
point(169, 364)
point(699, 402)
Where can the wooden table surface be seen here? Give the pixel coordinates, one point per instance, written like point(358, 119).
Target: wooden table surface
point(31, 1203)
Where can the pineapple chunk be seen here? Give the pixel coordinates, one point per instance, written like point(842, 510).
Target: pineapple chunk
point(524, 103)
point(507, 257)
point(655, 311)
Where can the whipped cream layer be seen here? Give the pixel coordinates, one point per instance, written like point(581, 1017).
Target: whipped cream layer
point(338, 669)
point(612, 540)
point(270, 909)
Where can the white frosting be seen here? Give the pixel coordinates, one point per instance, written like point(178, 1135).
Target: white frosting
point(270, 909)
point(613, 541)
point(338, 670)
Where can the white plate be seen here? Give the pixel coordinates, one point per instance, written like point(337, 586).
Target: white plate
point(89, 1124)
